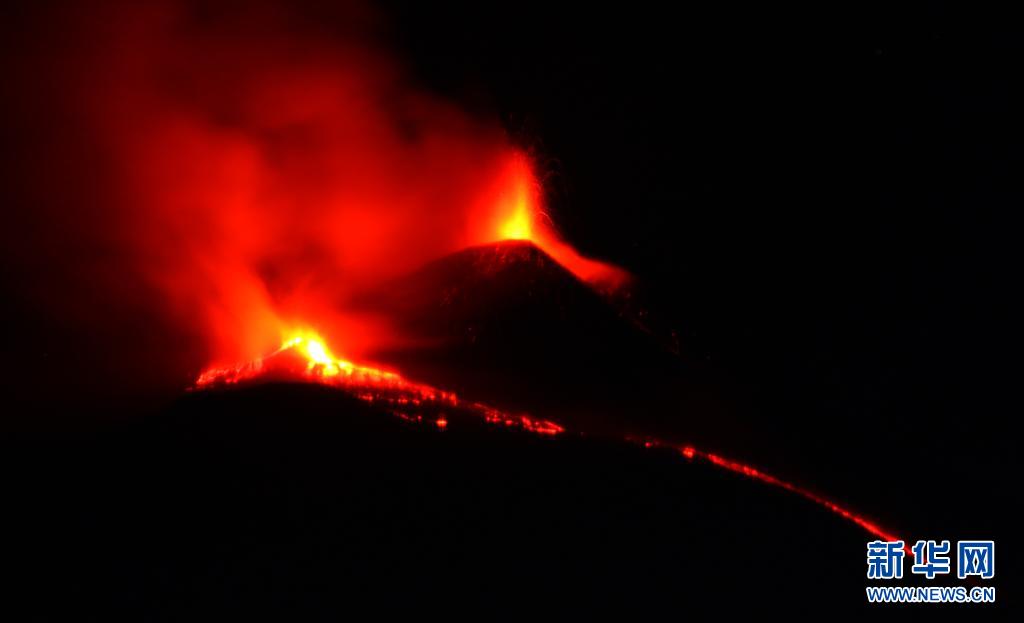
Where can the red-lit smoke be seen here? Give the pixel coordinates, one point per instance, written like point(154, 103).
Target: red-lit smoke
point(260, 171)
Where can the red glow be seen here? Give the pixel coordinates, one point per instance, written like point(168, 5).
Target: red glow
point(305, 357)
point(751, 472)
point(260, 173)
point(691, 453)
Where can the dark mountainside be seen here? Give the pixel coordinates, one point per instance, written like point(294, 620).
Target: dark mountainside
point(505, 323)
point(298, 498)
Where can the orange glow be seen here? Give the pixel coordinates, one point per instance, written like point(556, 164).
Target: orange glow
point(303, 356)
point(519, 226)
point(519, 215)
point(516, 205)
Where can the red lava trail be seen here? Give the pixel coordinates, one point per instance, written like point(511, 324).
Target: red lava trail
point(304, 357)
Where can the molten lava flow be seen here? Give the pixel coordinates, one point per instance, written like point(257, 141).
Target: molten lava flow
point(740, 468)
point(304, 357)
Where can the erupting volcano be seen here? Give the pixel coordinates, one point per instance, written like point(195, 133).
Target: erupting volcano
point(305, 358)
point(511, 213)
point(259, 189)
point(263, 187)
point(521, 217)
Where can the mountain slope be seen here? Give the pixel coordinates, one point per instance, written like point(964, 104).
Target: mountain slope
point(300, 499)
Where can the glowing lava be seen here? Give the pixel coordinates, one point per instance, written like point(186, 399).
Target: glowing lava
point(304, 357)
point(520, 216)
point(519, 226)
point(750, 472)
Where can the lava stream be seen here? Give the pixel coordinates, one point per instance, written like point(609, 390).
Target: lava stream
point(305, 357)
